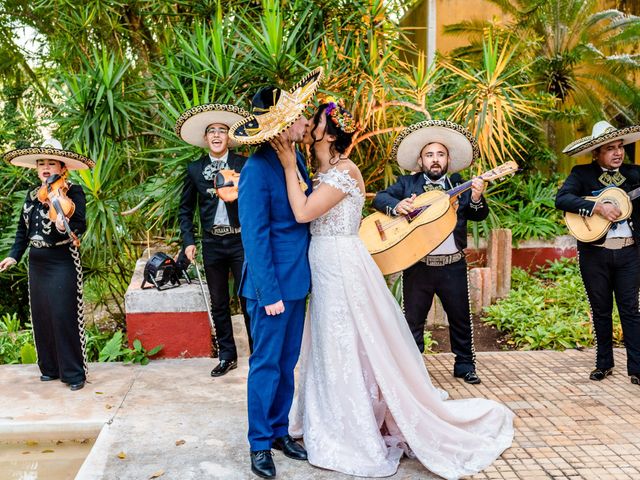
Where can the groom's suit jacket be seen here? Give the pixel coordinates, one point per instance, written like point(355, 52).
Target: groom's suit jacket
point(276, 266)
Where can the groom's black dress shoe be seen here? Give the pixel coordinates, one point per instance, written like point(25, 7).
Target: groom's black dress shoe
point(290, 448)
point(600, 374)
point(469, 377)
point(262, 464)
point(223, 367)
point(635, 379)
point(48, 378)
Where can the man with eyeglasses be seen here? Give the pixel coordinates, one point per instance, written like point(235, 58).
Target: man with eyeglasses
point(207, 126)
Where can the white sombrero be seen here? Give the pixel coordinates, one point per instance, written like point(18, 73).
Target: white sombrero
point(601, 133)
point(266, 124)
point(50, 150)
point(191, 125)
point(462, 146)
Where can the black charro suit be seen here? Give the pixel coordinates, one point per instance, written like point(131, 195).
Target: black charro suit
point(449, 282)
point(220, 253)
point(607, 272)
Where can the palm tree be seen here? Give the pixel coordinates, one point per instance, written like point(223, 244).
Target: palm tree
point(492, 98)
point(585, 58)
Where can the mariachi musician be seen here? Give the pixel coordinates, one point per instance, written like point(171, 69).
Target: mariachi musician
point(436, 150)
point(52, 218)
point(207, 126)
point(609, 265)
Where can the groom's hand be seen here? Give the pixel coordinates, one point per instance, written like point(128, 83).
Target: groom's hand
point(275, 308)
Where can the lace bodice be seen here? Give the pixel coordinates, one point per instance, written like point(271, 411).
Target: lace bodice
point(344, 218)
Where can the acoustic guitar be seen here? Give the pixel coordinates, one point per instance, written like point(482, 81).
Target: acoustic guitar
point(590, 229)
point(396, 243)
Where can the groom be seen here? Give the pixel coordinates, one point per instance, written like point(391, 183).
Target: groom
point(276, 275)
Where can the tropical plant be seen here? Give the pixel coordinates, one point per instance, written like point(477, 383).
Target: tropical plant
point(526, 206)
point(491, 99)
point(586, 58)
point(16, 343)
point(116, 350)
point(547, 310)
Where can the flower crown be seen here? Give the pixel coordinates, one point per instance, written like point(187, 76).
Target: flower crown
point(341, 118)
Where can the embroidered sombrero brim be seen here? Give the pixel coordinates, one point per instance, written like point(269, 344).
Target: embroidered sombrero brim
point(291, 104)
point(462, 146)
point(28, 157)
point(587, 144)
point(191, 125)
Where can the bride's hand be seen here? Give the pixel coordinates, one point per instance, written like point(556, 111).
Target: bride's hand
point(285, 149)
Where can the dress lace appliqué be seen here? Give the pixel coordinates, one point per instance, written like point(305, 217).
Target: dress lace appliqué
point(344, 218)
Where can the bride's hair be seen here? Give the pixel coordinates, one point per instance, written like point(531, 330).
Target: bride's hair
point(340, 123)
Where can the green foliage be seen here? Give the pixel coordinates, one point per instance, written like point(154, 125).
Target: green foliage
point(28, 354)
point(493, 96)
point(547, 310)
point(16, 344)
point(429, 342)
point(526, 205)
point(138, 354)
point(116, 350)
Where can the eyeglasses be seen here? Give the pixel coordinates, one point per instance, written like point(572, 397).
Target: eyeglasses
point(214, 130)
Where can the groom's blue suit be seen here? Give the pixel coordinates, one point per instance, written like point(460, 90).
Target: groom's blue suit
point(276, 268)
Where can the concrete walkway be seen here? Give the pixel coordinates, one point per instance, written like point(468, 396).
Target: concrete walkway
point(171, 420)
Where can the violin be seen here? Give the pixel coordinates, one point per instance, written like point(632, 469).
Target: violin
point(226, 185)
point(54, 193)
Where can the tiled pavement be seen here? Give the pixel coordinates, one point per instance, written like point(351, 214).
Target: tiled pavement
point(567, 427)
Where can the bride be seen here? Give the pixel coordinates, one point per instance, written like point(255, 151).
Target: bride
point(365, 396)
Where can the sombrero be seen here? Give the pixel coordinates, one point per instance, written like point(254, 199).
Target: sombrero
point(50, 149)
point(463, 147)
point(191, 125)
point(601, 133)
point(279, 110)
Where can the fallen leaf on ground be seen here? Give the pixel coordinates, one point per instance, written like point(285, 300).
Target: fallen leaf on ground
point(180, 442)
point(31, 443)
point(159, 473)
point(48, 450)
point(99, 393)
point(26, 453)
point(108, 407)
point(122, 455)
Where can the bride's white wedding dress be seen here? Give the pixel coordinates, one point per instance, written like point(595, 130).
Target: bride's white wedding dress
point(364, 396)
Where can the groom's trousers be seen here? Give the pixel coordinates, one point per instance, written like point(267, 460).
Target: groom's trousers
point(270, 385)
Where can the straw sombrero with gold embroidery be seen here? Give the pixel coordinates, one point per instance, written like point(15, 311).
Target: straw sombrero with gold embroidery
point(191, 125)
point(601, 133)
point(51, 149)
point(275, 110)
point(460, 142)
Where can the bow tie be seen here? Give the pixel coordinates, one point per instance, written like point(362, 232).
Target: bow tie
point(433, 186)
point(218, 164)
point(213, 168)
point(611, 177)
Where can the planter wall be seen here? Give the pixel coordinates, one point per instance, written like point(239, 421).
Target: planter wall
point(529, 255)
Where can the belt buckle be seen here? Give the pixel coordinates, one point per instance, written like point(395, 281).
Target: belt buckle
point(442, 260)
point(39, 243)
point(435, 261)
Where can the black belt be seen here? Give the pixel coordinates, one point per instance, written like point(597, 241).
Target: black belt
point(222, 230)
point(42, 244)
point(442, 260)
